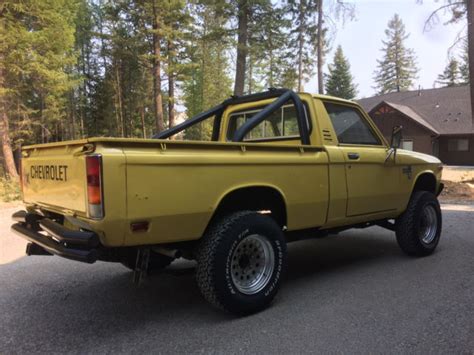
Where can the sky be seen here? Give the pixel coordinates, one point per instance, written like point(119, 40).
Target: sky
point(361, 40)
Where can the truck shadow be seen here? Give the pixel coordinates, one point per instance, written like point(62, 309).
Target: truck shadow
point(59, 297)
point(348, 250)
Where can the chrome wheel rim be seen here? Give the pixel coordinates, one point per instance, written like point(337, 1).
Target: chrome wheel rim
point(428, 224)
point(252, 264)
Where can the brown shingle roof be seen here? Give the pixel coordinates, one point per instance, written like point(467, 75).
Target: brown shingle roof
point(447, 110)
point(413, 115)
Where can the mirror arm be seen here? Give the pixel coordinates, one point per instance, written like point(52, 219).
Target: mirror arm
point(390, 152)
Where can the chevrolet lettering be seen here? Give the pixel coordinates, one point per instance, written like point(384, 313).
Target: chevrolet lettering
point(277, 167)
point(49, 172)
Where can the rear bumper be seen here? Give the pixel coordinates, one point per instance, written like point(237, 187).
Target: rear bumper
point(55, 238)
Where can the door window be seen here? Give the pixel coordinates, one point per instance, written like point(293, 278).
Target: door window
point(350, 126)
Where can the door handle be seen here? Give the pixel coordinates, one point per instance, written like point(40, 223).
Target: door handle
point(353, 156)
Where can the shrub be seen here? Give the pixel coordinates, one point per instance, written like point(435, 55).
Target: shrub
point(9, 190)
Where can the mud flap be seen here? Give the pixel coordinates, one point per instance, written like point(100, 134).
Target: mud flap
point(141, 265)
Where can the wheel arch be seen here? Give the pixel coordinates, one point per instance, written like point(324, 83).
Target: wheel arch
point(258, 197)
point(425, 181)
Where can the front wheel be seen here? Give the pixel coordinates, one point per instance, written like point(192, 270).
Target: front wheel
point(418, 229)
point(241, 260)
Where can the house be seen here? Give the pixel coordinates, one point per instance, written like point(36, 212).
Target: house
point(435, 121)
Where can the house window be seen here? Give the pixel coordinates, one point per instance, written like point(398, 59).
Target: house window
point(407, 144)
point(458, 145)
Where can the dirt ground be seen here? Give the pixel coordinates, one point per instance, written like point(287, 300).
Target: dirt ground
point(11, 246)
point(458, 185)
point(457, 192)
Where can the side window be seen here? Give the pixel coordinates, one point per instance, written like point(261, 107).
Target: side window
point(350, 126)
point(281, 124)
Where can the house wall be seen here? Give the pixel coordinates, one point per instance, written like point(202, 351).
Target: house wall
point(456, 158)
point(422, 139)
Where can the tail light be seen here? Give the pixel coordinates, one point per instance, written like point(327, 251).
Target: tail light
point(94, 186)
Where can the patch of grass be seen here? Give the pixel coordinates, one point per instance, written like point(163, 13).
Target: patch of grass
point(9, 190)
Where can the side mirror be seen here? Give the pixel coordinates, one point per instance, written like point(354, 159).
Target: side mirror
point(396, 137)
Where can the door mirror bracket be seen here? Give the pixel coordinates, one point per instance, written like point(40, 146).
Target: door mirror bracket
point(395, 142)
point(396, 139)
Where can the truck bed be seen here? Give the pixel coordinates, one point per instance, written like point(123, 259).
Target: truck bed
point(176, 185)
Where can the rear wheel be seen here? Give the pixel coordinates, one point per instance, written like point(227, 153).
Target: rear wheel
point(418, 229)
point(241, 260)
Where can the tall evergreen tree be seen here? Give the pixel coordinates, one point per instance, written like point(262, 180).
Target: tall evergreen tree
point(451, 75)
point(320, 46)
point(35, 71)
point(464, 63)
point(244, 10)
point(397, 70)
point(338, 9)
point(270, 60)
point(207, 81)
point(302, 37)
point(339, 81)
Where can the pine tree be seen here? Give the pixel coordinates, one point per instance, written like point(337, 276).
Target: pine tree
point(207, 81)
point(338, 9)
point(339, 81)
point(320, 46)
point(450, 75)
point(397, 70)
point(464, 65)
point(244, 11)
point(302, 38)
point(83, 107)
point(36, 66)
point(269, 58)
point(177, 22)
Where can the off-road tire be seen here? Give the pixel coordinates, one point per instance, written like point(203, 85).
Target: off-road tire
point(155, 263)
point(410, 224)
point(214, 261)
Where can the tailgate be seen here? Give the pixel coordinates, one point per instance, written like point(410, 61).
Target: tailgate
point(55, 175)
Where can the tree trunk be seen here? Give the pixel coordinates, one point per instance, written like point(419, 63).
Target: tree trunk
point(44, 134)
point(270, 77)
point(4, 123)
point(300, 45)
point(242, 49)
point(72, 131)
point(157, 96)
point(119, 107)
point(6, 144)
point(171, 111)
point(142, 118)
point(250, 74)
point(320, 43)
point(470, 40)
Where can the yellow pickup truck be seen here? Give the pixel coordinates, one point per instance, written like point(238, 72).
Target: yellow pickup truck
point(279, 167)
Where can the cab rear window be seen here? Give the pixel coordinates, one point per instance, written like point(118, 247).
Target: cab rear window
point(280, 125)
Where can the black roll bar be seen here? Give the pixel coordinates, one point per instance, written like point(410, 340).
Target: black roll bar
point(284, 95)
point(216, 110)
point(289, 95)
